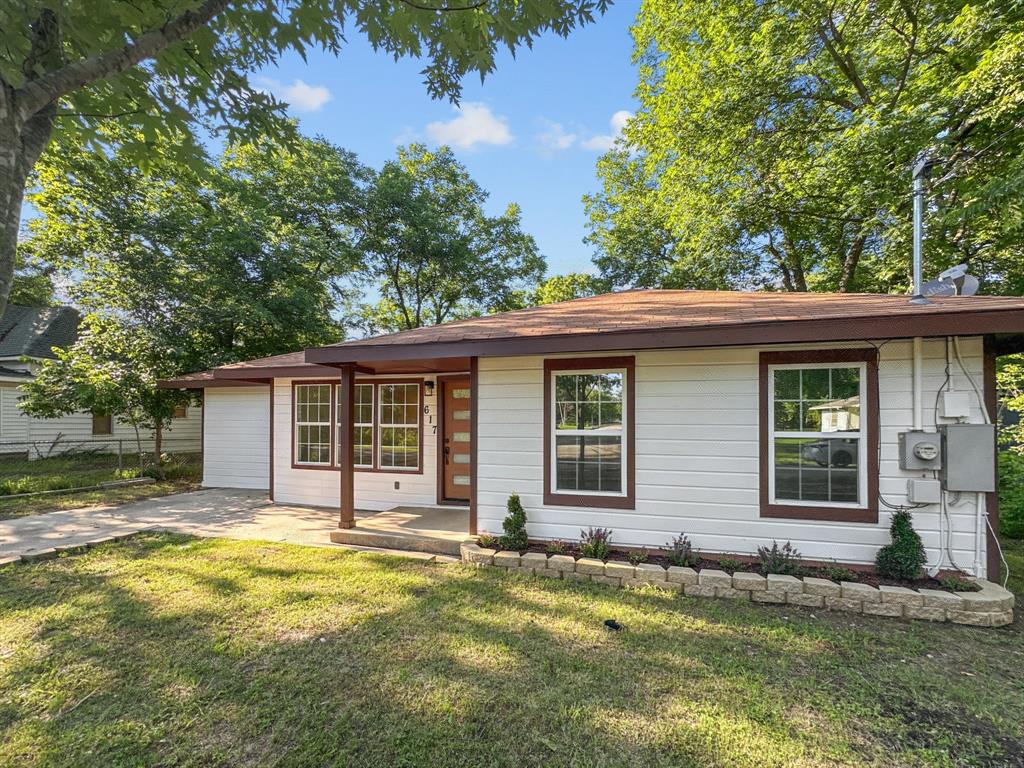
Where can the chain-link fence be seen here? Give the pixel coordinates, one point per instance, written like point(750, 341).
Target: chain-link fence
point(31, 467)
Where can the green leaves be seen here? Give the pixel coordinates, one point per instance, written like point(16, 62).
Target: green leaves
point(112, 369)
point(774, 143)
point(244, 258)
point(431, 252)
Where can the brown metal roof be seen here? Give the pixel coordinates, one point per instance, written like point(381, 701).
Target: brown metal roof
point(644, 319)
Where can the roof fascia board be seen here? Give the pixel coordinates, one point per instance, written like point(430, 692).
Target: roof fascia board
point(208, 383)
point(271, 372)
point(772, 332)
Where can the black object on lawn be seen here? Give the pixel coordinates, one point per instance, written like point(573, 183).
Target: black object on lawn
point(613, 625)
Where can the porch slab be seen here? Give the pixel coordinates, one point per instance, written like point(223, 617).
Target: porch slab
point(439, 531)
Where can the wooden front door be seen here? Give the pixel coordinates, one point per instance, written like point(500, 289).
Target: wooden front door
point(455, 437)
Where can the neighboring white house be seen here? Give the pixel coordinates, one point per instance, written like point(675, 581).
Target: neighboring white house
point(28, 335)
point(736, 418)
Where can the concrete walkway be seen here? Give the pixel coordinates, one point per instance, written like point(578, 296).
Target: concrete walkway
point(233, 514)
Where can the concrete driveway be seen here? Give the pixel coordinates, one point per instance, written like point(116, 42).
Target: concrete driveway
point(230, 513)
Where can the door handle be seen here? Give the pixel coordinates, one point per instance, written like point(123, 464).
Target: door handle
point(447, 451)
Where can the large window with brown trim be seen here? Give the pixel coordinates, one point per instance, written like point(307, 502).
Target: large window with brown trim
point(588, 432)
point(819, 438)
point(386, 428)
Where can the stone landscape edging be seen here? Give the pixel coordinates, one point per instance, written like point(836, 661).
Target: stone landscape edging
point(991, 606)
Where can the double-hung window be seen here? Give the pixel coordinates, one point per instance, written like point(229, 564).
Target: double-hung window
point(362, 426)
point(819, 443)
point(588, 451)
point(313, 424)
point(399, 430)
point(386, 426)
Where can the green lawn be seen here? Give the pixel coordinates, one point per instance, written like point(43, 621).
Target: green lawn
point(166, 650)
point(70, 472)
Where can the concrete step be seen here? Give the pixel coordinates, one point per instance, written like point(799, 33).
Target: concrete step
point(393, 540)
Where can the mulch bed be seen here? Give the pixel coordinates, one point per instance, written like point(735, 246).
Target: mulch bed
point(834, 573)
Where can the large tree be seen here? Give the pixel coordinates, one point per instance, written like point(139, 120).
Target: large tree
point(430, 250)
point(774, 142)
point(245, 257)
point(179, 68)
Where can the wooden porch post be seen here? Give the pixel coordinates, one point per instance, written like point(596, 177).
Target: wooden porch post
point(346, 456)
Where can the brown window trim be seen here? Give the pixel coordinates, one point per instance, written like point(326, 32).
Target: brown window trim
point(553, 498)
point(333, 466)
point(868, 514)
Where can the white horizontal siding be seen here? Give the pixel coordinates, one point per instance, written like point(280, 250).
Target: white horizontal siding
point(697, 454)
point(374, 491)
point(237, 438)
point(184, 434)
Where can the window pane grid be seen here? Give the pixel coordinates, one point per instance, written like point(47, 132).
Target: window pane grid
point(362, 427)
point(397, 428)
point(399, 424)
point(313, 423)
point(588, 426)
point(817, 434)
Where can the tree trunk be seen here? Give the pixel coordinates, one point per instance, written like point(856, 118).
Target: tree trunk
point(851, 261)
point(138, 447)
point(158, 449)
point(21, 144)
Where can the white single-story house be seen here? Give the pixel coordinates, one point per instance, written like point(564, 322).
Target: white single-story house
point(28, 336)
point(736, 418)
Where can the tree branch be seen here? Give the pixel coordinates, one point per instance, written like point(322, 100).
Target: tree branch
point(446, 8)
point(36, 94)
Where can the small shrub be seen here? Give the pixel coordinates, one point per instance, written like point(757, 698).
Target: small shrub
point(555, 547)
point(487, 541)
point(514, 525)
point(956, 583)
point(638, 556)
point(838, 573)
point(904, 558)
point(783, 560)
point(596, 542)
point(1011, 494)
point(731, 564)
point(682, 553)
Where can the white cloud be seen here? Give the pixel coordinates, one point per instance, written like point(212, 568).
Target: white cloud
point(554, 136)
point(605, 141)
point(475, 124)
point(301, 95)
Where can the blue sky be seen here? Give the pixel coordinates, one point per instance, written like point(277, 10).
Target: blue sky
point(530, 134)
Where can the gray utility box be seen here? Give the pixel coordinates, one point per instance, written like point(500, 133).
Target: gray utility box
point(968, 457)
point(920, 450)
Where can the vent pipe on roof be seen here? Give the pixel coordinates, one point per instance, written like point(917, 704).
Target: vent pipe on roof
point(922, 170)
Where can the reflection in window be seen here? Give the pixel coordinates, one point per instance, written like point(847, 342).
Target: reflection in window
point(313, 423)
point(817, 434)
point(399, 426)
point(588, 431)
point(362, 427)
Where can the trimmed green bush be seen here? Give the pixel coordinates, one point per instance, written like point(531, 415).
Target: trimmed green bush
point(514, 525)
point(1011, 494)
point(905, 556)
